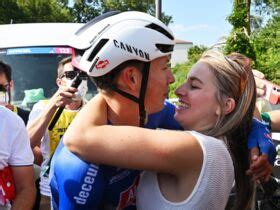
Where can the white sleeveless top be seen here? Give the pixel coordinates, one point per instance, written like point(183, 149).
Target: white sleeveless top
point(211, 190)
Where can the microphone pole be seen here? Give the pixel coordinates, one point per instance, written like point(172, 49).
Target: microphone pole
point(76, 82)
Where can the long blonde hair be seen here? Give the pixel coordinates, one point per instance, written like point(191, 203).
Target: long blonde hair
point(234, 79)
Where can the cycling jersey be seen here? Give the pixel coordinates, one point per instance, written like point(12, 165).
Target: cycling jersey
point(76, 184)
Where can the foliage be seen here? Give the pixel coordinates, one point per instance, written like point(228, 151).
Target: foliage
point(238, 17)
point(82, 11)
point(122, 5)
point(136, 5)
point(85, 10)
point(263, 45)
point(180, 71)
point(195, 53)
point(45, 11)
point(266, 6)
point(266, 39)
point(267, 45)
point(20, 11)
point(26, 11)
point(263, 9)
point(10, 11)
point(239, 40)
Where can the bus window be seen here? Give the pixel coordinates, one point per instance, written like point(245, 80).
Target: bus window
point(34, 56)
point(34, 68)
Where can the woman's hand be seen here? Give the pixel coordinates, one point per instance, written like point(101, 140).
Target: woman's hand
point(260, 168)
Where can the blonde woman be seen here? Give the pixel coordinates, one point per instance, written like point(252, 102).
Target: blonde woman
point(194, 169)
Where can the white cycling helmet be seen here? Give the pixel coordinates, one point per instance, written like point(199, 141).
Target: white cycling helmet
point(114, 38)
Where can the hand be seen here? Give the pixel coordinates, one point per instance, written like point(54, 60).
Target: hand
point(259, 77)
point(64, 96)
point(8, 106)
point(260, 137)
point(260, 168)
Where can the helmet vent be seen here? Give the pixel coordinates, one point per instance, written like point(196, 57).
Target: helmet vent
point(97, 48)
point(160, 29)
point(165, 48)
point(95, 20)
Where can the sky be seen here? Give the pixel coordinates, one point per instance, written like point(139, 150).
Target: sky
point(202, 22)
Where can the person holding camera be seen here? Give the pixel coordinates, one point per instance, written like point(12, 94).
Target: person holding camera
point(45, 139)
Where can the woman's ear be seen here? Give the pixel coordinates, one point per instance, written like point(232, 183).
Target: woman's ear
point(229, 106)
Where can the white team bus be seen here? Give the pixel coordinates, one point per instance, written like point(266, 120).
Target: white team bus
point(33, 51)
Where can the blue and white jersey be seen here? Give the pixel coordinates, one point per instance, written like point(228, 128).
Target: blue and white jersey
point(76, 184)
point(164, 118)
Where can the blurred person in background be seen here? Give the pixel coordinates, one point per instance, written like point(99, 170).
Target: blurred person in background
point(45, 140)
point(6, 86)
point(16, 164)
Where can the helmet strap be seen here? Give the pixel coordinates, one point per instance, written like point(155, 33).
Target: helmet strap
point(125, 94)
point(141, 100)
point(144, 84)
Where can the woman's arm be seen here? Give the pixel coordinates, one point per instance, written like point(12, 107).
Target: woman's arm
point(139, 148)
point(130, 147)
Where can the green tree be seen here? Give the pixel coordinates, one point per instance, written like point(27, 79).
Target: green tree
point(126, 5)
point(261, 10)
point(45, 11)
point(267, 44)
point(262, 45)
point(195, 53)
point(85, 10)
point(180, 72)
point(10, 12)
point(266, 6)
point(266, 39)
point(239, 38)
point(27, 11)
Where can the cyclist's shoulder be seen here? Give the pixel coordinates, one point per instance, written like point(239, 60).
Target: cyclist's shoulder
point(68, 161)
